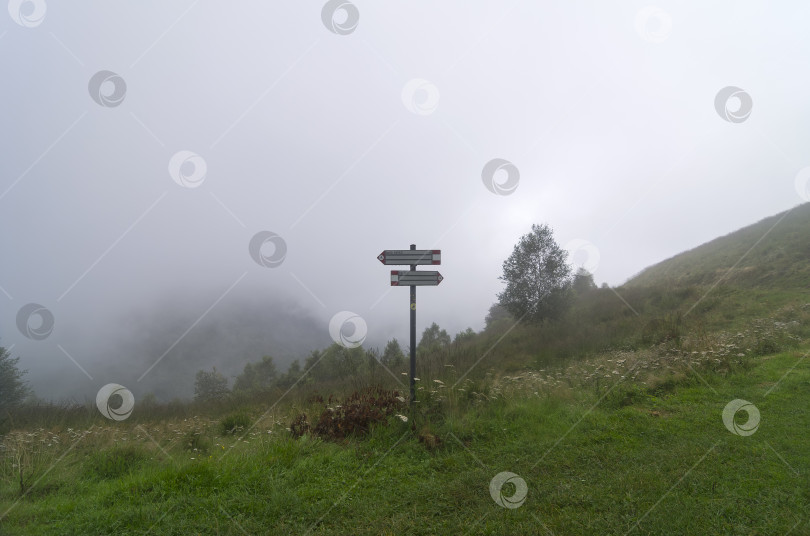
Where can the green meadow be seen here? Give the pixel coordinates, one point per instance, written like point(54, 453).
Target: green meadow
point(619, 418)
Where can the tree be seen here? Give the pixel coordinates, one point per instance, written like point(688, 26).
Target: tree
point(497, 313)
point(292, 375)
point(257, 376)
point(13, 389)
point(432, 339)
point(345, 362)
point(335, 362)
point(583, 282)
point(465, 335)
point(312, 366)
point(537, 276)
point(373, 359)
point(393, 356)
point(210, 385)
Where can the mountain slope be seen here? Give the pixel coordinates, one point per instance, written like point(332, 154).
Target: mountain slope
point(773, 253)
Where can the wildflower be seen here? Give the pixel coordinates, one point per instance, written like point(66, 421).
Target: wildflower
point(403, 418)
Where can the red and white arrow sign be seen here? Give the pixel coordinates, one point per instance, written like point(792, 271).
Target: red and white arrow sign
point(410, 256)
point(407, 278)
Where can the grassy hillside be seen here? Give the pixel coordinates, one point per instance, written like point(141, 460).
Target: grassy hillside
point(774, 252)
point(614, 459)
point(758, 272)
point(612, 416)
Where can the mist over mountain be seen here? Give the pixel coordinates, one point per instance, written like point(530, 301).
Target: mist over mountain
point(144, 157)
point(242, 330)
point(154, 348)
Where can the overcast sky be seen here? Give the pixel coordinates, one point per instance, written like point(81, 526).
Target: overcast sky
point(146, 143)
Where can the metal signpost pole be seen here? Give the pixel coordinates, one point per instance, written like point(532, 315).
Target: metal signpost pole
point(413, 278)
point(413, 334)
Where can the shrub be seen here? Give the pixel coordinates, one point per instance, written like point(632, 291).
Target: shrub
point(210, 385)
point(24, 456)
point(354, 415)
point(196, 442)
point(300, 425)
point(428, 438)
point(233, 423)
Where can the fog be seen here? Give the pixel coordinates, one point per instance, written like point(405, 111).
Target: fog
point(129, 199)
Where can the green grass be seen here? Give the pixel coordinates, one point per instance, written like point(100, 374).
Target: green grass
point(649, 455)
point(627, 458)
point(771, 253)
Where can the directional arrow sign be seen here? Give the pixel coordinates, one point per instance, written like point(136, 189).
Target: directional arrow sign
point(410, 256)
point(406, 278)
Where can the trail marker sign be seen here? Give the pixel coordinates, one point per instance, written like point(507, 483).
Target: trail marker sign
point(406, 278)
point(413, 278)
point(410, 256)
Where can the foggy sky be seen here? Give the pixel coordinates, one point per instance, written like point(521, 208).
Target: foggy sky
point(347, 140)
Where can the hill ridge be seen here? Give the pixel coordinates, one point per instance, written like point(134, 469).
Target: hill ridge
point(774, 250)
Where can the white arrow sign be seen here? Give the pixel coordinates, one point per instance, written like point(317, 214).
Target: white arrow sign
point(407, 278)
point(410, 256)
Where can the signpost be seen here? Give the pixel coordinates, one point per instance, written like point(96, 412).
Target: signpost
point(413, 278)
point(406, 278)
point(410, 256)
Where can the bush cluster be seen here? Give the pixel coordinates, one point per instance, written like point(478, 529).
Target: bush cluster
point(353, 416)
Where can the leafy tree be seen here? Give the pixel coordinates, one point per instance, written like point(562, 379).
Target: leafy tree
point(583, 282)
point(335, 362)
point(149, 400)
point(393, 356)
point(464, 335)
point(13, 389)
point(210, 385)
point(292, 375)
point(257, 376)
point(345, 361)
point(310, 364)
point(537, 276)
point(497, 313)
point(244, 382)
point(432, 339)
point(372, 359)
